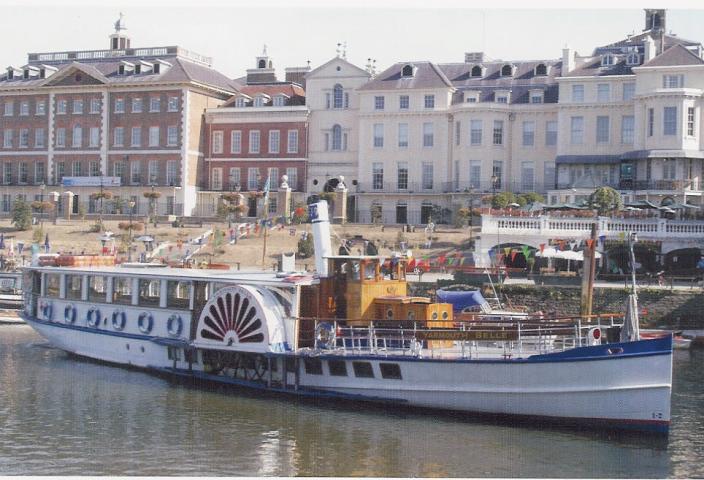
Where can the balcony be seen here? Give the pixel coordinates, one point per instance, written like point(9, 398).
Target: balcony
point(448, 187)
point(662, 185)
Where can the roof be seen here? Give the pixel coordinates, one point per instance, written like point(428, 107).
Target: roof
point(315, 71)
point(675, 55)
point(105, 71)
point(591, 67)
point(427, 75)
point(669, 39)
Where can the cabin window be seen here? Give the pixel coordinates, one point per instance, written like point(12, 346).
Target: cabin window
point(178, 294)
point(53, 282)
point(290, 365)
point(337, 368)
point(96, 289)
point(363, 369)
point(74, 285)
point(314, 366)
point(149, 292)
point(391, 371)
point(122, 290)
point(174, 353)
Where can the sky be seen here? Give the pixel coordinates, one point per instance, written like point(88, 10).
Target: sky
point(295, 31)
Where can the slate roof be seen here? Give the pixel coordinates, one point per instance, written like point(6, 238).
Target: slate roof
point(670, 40)
point(295, 92)
point(675, 55)
point(427, 75)
point(106, 70)
point(591, 67)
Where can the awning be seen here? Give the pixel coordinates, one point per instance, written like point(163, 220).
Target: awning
point(551, 252)
point(587, 159)
point(639, 154)
point(462, 299)
point(565, 206)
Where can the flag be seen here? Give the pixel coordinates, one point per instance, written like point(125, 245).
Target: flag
point(621, 235)
point(590, 243)
point(513, 255)
point(525, 249)
point(602, 239)
point(507, 251)
point(266, 188)
point(542, 247)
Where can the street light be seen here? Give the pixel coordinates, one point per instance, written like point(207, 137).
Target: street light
point(42, 187)
point(130, 204)
point(494, 183)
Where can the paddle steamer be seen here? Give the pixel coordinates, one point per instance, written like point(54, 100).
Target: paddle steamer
point(350, 331)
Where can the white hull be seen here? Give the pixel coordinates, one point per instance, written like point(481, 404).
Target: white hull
point(625, 391)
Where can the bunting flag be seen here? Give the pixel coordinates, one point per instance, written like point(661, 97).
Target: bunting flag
point(621, 235)
point(590, 243)
point(513, 255)
point(525, 249)
point(492, 253)
point(602, 239)
point(412, 263)
point(462, 260)
point(450, 260)
point(441, 259)
point(507, 251)
point(542, 247)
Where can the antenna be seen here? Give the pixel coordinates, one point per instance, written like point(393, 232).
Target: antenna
point(120, 24)
point(344, 50)
point(337, 50)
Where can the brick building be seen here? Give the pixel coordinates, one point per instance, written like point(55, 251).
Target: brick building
point(75, 119)
point(259, 133)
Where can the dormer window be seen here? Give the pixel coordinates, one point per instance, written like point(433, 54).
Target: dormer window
point(145, 67)
point(240, 102)
point(261, 64)
point(471, 97)
point(156, 68)
point(46, 71)
point(260, 101)
point(536, 96)
point(160, 66)
point(13, 73)
point(407, 71)
point(477, 71)
point(501, 97)
point(279, 100)
point(607, 60)
point(633, 59)
point(507, 70)
point(137, 69)
point(125, 68)
point(541, 69)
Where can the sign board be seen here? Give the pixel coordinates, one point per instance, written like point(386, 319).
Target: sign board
point(91, 181)
point(467, 335)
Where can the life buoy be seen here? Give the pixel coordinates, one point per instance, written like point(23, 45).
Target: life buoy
point(325, 336)
point(70, 314)
point(174, 325)
point(145, 322)
point(47, 310)
point(119, 319)
point(93, 317)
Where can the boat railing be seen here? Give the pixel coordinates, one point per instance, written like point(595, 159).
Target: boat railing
point(493, 337)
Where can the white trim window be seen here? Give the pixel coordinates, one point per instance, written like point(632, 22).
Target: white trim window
point(172, 105)
point(292, 144)
point(77, 106)
point(39, 138)
point(576, 130)
point(60, 137)
point(94, 137)
point(236, 141)
point(172, 136)
point(428, 134)
point(77, 137)
point(119, 105)
point(377, 176)
point(217, 141)
point(498, 134)
point(403, 102)
point(338, 96)
point(234, 178)
point(40, 108)
point(171, 173)
point(254, 141)
point(253, 178)
point(627, 129)
point(39, 168)
point(154, 104)
point(551, 133)
point(603, 92)
point(602, 129)
point(527, 176)
point(153, 170)
point(402, 175)
point(475, 173)
point(216, 179)
point(61, 107)
point(279, 101)
point(403, 135)
point(292, 173)
point(240, 102)
point(475, 132)
point(118, 137)
point(429, 101)
point(136, 136)
point(379, 102)
point(378, 135)
point(629, 91)
point(578, 93)
point(669, 121)
point(94, 168)
point(691, 130)
point(274, 141)
point(94, 105)
point(76, 169)
point(154, 136)
point(24, 108)
point(427, 175)
point(135, 172)
point(337, 144)
point(24, 137)
point(672, 81)
point(9, 108)
point(137, 105)
point(528, 134)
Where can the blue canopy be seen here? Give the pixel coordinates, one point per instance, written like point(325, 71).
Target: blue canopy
point(462, 299)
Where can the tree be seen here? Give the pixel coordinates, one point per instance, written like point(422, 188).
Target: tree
point(502, 200)
point(305, 246)
point(22, 215)
point(529, 197)
point(605, 200)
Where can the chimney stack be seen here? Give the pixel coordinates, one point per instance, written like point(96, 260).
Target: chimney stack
point(568, 62)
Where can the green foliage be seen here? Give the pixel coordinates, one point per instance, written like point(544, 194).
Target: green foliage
point(38, 235)
point(306, 247)
point(502, 200)
point(22, 215)
point(605, 200)
point(529, 197)
point(300, 213)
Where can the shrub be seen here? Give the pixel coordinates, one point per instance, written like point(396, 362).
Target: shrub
point(605, 200)
point(22, 215)
point(306, 248)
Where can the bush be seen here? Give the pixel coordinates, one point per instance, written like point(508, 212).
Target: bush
point(300, 213)
point(38, 235)
point(605, 200)
point(306, 248)
point(502, 200)
point(22, 215)
point(530, 197)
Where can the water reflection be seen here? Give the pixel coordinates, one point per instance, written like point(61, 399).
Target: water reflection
point(60, 415)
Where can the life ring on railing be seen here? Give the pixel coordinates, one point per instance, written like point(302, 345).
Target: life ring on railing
point(119, 319)
point(594, 336)
point(416, 347)
point(325, 336)
point(174, 325)
point(70, 314)
point(93, 317)
point(47, 310)
point(145, 322)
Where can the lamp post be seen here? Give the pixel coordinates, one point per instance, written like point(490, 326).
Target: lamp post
point(632, 239)
point(494, 182)
point(42, 187)
point(152, 183)
point(130, 204)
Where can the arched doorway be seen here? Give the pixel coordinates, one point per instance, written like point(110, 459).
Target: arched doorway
point(331, 185)
point(683, 261)
point(618, 259)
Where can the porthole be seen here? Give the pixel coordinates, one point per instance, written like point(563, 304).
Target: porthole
point(445, 315)
point(389, 313)
point(127, 346)
point(434, 316)
point(142, 349)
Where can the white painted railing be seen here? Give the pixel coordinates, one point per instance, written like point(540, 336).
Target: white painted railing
point(581, 227)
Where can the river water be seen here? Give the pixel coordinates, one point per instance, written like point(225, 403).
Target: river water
point(60, 415)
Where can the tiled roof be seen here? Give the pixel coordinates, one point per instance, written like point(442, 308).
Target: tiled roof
point(675, 55)
point(592, 67)
point(427, 75)
point(107, 72)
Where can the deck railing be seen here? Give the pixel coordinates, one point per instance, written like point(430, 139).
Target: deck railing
point(487, 336)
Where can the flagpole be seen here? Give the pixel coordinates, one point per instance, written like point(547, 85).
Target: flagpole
point(266, 217)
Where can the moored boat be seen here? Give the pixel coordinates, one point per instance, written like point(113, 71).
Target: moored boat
point(351, 331)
